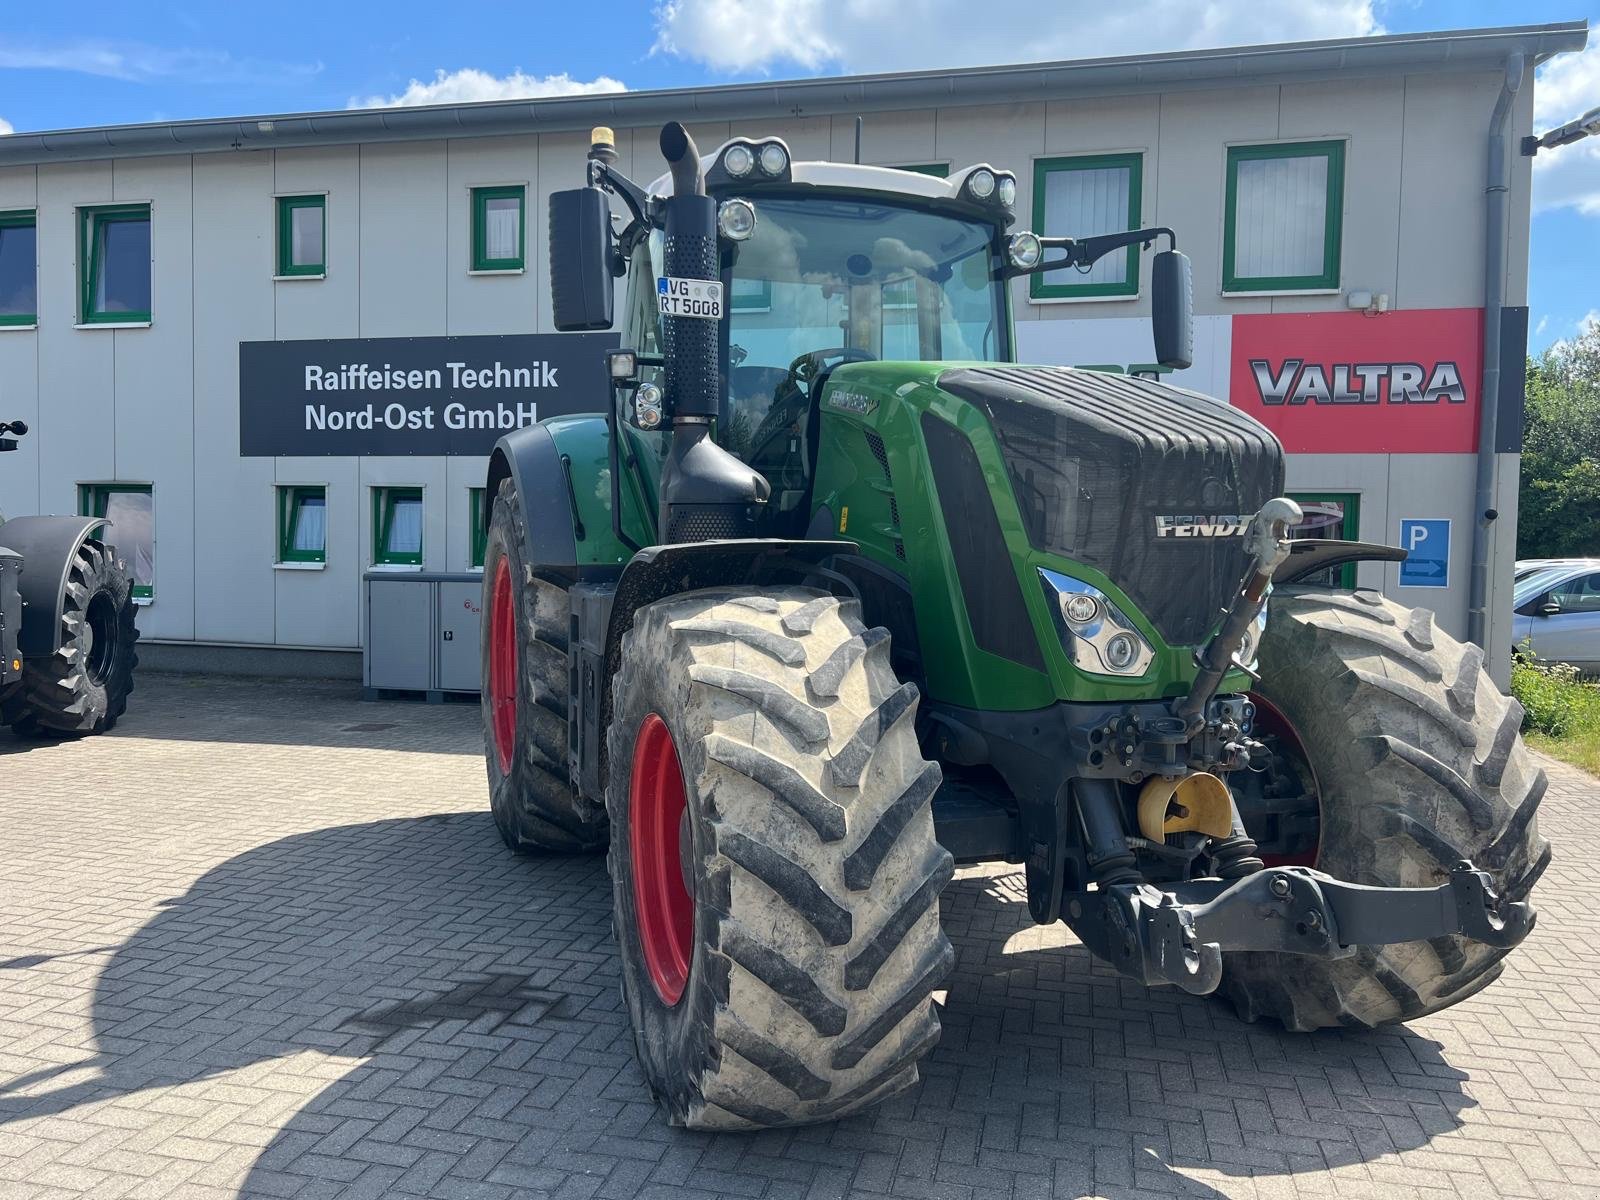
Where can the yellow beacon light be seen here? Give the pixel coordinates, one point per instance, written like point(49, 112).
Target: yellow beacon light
point(601, 135)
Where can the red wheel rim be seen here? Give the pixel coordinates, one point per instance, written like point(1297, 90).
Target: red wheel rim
point(661, 900)
point(1270, 720)
point(503, 666)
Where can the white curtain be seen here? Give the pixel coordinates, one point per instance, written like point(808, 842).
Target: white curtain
point(405, 528)
point(305, 236)
point(501, 225)
point(1084, 203)
point(311, 525)
point(1280, 217)
point(133, 532)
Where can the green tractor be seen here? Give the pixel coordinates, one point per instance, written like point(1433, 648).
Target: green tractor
point(66, 623)
point(832, 596)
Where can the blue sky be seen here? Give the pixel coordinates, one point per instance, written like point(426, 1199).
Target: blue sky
point(169, 61)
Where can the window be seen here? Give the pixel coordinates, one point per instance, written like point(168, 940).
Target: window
point(130, 509)
point(1330, 515)
point(302, 236)
point(114, 264)
point(1080, 197)
point(302, 524)
point(19, 283)
point(1283, 216)
point(479, 529)
point(397, 525)
point(497, 228)
point(1580, 595)
point(751, 295)
point(937, 170)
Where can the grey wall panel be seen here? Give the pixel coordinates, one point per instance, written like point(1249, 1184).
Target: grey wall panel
point(1441, 190)
point(1502, 565)
point(404, 228)
point(894, 139)
point(1519, 206)
point(500, 303)
point(1364, 119)
point(1434, 485)
point(461, 475)
point(19, 373)
point(154, 382)
point(77, 407)
point(1196, 130)
point(234, 525)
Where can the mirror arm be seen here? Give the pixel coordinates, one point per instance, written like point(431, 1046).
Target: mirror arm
point(1085, 252)
point(606, 177)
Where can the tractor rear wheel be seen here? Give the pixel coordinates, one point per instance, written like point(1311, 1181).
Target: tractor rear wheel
point(1416, 763)
point(524, 698)
point(83, 687)
point(775, 875)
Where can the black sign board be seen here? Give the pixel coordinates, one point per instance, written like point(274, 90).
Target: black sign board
point(402, 396)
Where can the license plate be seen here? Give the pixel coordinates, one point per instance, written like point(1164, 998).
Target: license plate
point(689, 297)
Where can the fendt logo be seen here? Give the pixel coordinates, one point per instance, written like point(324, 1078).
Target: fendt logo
point(1201, 526)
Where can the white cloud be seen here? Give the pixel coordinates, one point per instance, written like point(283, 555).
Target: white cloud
point(1568, 176)
point(140, 63)
point(1544, 323)
point(1590, 321)
point(6, 127)
point(469, 84)
point(889, 35)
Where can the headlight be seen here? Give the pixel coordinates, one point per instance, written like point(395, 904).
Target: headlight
point(737, 161)
point(647, 406)
point(1250, 647)
point(1024, 249)
point(1096, 634)
point(736, 219)
point(774, 158)
point(1007, 188)
point(981, 183)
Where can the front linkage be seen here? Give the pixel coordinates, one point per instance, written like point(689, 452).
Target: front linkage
point(1176, 933)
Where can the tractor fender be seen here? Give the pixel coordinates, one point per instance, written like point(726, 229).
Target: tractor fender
point(1307, 556)
point(47, 546)
point(530, 458)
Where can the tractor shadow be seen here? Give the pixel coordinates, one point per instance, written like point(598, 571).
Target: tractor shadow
point(463, 1007)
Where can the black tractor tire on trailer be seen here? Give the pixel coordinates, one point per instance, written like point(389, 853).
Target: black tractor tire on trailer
point(812, 939)
point(535, 806)
point(83, 687)
point(1419, 764)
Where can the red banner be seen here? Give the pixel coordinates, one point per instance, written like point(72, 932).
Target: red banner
point(1349, 383)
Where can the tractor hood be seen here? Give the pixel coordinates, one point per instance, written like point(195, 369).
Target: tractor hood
point(1149, 484)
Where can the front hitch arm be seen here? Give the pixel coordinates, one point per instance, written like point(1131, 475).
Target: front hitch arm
point(1177, 934)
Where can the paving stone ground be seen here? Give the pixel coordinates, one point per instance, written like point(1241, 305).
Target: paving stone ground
point(264, 941)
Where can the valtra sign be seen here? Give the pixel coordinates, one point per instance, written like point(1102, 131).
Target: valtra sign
point(1347, 383)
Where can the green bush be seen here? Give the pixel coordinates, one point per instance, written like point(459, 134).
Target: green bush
point(1558, 701)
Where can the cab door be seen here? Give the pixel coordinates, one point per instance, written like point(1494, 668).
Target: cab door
point(1566, 623)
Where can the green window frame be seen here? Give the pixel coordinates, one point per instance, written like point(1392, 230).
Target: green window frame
point(481, 261)
point(22, 218)
point(1333, 219)
point(1041, 289)
point(385, 501)
point(93, 501)
point(479, 530)
point(291, 501)
point(287, 207)
point(91, 222)
point(1348, 530)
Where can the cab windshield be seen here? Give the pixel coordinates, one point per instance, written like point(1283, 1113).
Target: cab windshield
point(826, 281)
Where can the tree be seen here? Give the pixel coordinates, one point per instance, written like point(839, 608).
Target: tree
point(1559, 501)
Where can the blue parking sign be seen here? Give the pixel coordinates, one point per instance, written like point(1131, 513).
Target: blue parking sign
point(1426, 541)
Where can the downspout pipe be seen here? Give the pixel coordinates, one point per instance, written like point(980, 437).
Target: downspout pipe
point(1496, 228)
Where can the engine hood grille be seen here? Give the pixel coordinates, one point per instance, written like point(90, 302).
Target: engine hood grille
point(1144, 482)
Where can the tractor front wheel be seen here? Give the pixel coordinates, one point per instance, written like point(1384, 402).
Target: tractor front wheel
point(524, 649)
point(1416, 763)
point(83, 687)
point(775, 875)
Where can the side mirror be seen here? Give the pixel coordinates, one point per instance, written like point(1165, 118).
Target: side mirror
point(582, 288)
point(1549, 608)
point(1172, 309)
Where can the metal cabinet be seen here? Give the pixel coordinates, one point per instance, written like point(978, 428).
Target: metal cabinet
point(422, 632)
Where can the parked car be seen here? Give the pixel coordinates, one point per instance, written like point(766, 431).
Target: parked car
point(1557, 611)
point(1527, 566)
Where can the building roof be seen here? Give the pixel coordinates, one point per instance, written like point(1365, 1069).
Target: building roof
point(1289, 62)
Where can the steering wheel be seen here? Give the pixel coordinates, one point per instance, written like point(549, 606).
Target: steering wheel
point(805, 369)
